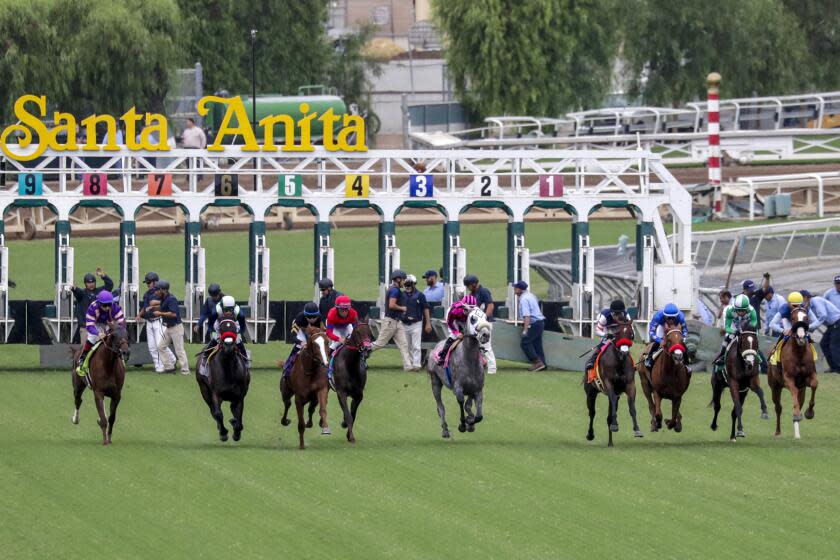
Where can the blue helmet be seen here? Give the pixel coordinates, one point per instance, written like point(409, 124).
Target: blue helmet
point(671, 310)
point(311, 310)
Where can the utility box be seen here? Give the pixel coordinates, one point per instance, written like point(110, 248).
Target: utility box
point(770, 206)
point(782, 205)
point(674, 283)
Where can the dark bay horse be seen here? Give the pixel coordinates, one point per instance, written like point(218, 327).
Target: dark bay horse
point(796, 371)
point(308, 382)
point(740, 375)
point(466, 374)
point(617, 375)
point(350, 374)
point(107, 374)
point(227, 379)
point(668, 380)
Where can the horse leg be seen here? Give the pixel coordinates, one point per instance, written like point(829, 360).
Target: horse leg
point(657, 412)
point(218, 416)
point(631, 405)
point(348, 418)
point(813, 383)
point(756, 388)
point(647, 390)
point(301, 424)
point(322, 411)
point(797, 412)
point(112, 415)
point(459, 395)
point(312, 404)
point(78, 389)
point(468, 406)
point(676, 417)
point(591, 395)
point(103, 421)
point(717, 391)
point(287, 404)
point(236, 410)
point(479, 406)
point(354, 405)
point(777, 404)
point(737, 402)
point(437, 385)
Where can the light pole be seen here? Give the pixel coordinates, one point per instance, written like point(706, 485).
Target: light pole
point(254, 79)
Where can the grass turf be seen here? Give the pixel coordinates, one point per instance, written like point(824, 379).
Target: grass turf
point(526, 484)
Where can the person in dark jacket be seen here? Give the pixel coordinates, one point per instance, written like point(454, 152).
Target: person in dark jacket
point(208, 309)
point(86, 296)
point(328, 295)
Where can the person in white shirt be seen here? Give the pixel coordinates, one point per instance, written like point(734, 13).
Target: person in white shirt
point(193, 137)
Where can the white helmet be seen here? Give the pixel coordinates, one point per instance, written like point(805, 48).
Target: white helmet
point(410, 279)
point(228, 301)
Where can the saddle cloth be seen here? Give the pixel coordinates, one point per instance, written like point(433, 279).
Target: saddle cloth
point(776, 356)
point(85, 367)
point(594, 374)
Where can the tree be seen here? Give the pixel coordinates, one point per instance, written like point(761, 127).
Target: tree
point(539, 57)
point(350, 71)
point(672, 45)
point(819, 21)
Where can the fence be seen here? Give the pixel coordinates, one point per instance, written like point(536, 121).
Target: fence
point(801, 187)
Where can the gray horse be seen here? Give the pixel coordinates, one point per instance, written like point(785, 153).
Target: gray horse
point(466, 374)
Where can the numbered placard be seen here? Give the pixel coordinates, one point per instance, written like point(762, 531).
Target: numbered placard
point(421, 186)
point(357, 186)
point(227, 184)
point(95, 184)
point(160, 184)
point(551, 186)
point(290, 185)
point(485, 185)
point(30, 184)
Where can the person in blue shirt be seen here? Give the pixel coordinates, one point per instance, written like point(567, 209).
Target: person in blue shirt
point(435, 290)
point(773, 302)
point(829, 315)
point(415, 320)
point(208, 309)
point(391, 326)
point(170, 312)
point(154, 325)
point(533, 325)
point(833, 294)
point(669, 317)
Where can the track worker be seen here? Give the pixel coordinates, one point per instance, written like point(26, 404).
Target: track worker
point(533, 325)
point(833, 294)
point(173, 334)
point(485, 303)
point(415, 320)
point(328, 296)
point(391, 325)
point(154, 325)
point(827, 314)
point(208, 309)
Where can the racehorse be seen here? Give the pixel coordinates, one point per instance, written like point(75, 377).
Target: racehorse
point(350, 374)
point(107, 375)
point(617, 375)
point(224, 377)
point(463, 373)
point(308, 382)
point(669, 379)
point(740, 375)
point(795, 371)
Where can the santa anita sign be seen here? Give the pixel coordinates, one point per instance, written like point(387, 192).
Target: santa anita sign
point(31, 130)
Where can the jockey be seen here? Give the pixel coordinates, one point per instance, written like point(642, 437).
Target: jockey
point(456, 322)
point(669, 317)
point(734, 313)
point(227, 309)
point(101, 312)
point(607, 320)
point(780, 324)
point(309, 317)
point(340, 322)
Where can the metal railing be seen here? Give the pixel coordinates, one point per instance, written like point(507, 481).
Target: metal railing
point(807, 183)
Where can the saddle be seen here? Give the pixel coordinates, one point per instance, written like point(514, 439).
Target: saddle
point(776, 354)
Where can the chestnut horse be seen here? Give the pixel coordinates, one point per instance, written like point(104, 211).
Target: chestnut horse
point(740, 375)
point(668, 380)
point(107, 375)
point(795, 371)
point(308, 382)
point(350, 374)
point(617, 376)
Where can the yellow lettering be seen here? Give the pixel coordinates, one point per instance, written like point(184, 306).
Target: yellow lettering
point(305, 132)
point(28, 123)
point(110, 135)
point(329, 118)
point(235, 109)
point(66, 123)
point(268, 124)
point(353, 126)
point(155, 124)
point(131, 118)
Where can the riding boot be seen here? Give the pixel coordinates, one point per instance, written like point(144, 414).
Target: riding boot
point(649, 358)
point(444, 351)
point(85, 351)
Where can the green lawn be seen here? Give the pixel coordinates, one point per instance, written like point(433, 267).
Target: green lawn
point(525, 485)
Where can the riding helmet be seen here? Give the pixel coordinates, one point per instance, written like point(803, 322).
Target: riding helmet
point(398, 273)
point(617, 306)
point(470, 279)
point(228, 302)
point(163, 285)
point(469, 299)
point(105, 297)
point(89, 278)
point(342, 302)
point(214, 290)
point(742, 302)
point(671, 310)
point(795, 298)
point(311, 309)
point(325, 283)
point(151, 277)
point(410, 279)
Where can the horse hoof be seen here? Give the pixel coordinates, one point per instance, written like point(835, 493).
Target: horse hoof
point(809, 414)
point(764, 415)
point(326, 432)
point(344, 424)
point(309, 424)
point(733, 440)
point(302, 447)
point(778, 434)
point(223, 437)
point(638, 433)
point(75, 418)
point(445, 434)
point(470, 421)
point(613, 427)
point(285, 422)
point(678, 428)
point(351, 438)
point(590, 436)
point(740, 434)
point(471, 428)
point(462, 427)
point(478, 419)
point(237, 436)
point(797, 418)
point(713, 427)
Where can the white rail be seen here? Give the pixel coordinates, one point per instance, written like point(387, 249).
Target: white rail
point(796, 182)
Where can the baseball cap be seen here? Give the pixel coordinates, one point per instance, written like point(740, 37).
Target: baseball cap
point(748, 285)
point(429, 273)
point(805, 293)
point(522, 285)
point(837, 279)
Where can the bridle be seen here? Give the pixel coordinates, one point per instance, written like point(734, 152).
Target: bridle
point(117, 344)
point(625, 342)
point(676, 349)
point(799, 323)
point(363, 346)
point(749, 355)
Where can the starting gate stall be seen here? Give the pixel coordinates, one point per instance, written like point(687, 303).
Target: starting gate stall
point(387, 181)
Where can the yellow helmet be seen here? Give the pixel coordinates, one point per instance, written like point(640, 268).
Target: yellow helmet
point(795, 298)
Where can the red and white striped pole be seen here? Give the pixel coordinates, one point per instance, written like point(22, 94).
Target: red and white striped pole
point(713, 84)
